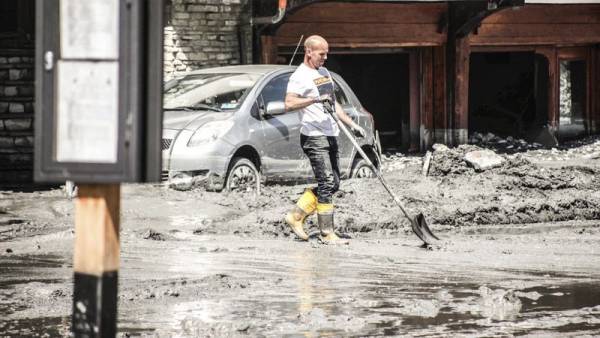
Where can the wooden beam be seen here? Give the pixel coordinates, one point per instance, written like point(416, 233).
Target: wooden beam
point(362, 43)
point(414, 71)
point(536, 34)
point(595, 113)
point(360, 13)
point(96, 260)
point(268, 50)
point(350, 31)
point(553, 85)
point(461, 91)
point(500, 49)
point(531, 14)
point(427, 98)
point(439, 94)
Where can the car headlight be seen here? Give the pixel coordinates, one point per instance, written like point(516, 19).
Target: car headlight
point(209, 132)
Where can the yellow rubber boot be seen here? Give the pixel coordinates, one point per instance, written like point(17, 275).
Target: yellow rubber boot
point(306, 205)
point(328, 235)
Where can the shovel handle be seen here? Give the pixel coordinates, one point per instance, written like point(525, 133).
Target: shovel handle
point(366, 158)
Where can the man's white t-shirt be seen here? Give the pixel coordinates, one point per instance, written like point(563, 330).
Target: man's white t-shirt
point(308, 82)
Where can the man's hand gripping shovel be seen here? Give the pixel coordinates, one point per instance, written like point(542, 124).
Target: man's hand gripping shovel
point(418, 224)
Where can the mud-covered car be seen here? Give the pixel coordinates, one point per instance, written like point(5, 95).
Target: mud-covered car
point(226, 127)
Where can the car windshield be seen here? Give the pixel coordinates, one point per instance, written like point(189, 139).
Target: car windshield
point(217, 92)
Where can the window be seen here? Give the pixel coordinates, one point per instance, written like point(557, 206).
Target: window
point(216, 91)
point(275, 89)
point(340, 96)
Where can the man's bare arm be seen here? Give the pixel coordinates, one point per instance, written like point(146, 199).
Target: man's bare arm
point(343, 116)
point(295, 102)
point(356, 129)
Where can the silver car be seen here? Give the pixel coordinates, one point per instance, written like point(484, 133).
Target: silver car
point(226, 127)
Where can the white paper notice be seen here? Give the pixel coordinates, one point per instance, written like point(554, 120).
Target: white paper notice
point(89, 29)
point(87, 112)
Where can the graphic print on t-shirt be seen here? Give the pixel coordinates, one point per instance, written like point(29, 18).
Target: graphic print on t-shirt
point(324, 83)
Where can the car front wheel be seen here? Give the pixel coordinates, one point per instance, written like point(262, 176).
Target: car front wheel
point(242, 176)
point(361, 169)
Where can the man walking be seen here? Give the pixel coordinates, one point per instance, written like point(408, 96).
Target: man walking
point(310, 91)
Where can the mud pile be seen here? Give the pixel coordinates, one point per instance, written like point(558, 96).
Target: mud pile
point(447, 161)
point(453, 194)
point(588, 148)
point(506, 145)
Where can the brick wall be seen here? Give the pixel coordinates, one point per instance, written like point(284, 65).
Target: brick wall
point(16, 115)
point(206, 33)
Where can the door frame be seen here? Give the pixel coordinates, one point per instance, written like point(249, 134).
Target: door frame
point(582, 53)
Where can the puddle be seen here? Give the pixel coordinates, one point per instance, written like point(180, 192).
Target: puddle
point(563, 297)
point(167, 289)
point(309, 302)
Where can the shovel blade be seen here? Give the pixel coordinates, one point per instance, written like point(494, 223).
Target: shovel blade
point(422, 230)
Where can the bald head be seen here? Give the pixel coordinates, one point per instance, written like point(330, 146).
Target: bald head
point(315, 51)
point(315, 41)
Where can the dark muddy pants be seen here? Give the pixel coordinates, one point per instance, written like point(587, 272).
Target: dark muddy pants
point(322, 151)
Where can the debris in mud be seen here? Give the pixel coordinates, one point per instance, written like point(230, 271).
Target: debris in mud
point(443, 295)
point(587, 149)
point(447, 161)
point(482, 160)
point(440, 147)
point(222, 281)
point(428, 308)
point(171, 293)
point(508, 145)
point(243, 327)
point(153, 235)
point(397, 161)
point(533, 295)
point(59, 293)
point(426, 163)
point(9, 250)
point(468, 159)
point(499, 304)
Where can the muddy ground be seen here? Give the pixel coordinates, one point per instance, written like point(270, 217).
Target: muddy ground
point(519, 255)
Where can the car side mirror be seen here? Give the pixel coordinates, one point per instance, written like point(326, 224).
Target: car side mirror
point(275, 108)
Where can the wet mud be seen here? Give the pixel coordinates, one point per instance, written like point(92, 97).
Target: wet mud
point(519, 255)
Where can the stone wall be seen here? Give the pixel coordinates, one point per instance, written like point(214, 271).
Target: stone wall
point(16, 115)
point(206, 33)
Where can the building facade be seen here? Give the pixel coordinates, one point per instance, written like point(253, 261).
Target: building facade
point(429, 71)
point(440, 71)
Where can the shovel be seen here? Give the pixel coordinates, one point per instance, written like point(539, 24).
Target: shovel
point(418, 224)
